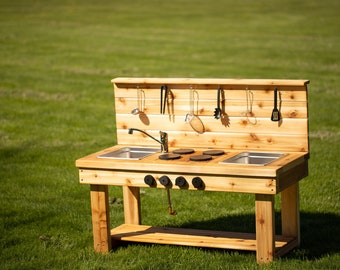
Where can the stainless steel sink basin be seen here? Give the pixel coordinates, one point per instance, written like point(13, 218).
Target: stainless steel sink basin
point(131, 153)
point(253, 158)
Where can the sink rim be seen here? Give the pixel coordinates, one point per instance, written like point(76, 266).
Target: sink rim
point(264, 158)
point(139, 151)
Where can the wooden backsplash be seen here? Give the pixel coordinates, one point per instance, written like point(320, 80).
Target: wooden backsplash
point(245, 123)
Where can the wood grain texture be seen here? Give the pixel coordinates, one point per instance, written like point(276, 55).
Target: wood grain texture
point(191, 237)
point(211, 183)
point(132, 214)
point(207, 82)
point(100, 218)
point(290, 204)
point(265, 228)
point(246, 110)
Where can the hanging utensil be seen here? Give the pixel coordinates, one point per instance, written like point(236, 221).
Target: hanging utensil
point(249, 110)
point(192, 118)
point(190, 114)
point(161, 100)
point(172, 212)
point(225, 120)
point(165, 98)
point(166, 182)
point(276, 113)
point(218, 111)
point(139, 108)
point(164, 94)
point(170, 105)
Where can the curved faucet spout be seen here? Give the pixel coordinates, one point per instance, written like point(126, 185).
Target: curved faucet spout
point(163, 141)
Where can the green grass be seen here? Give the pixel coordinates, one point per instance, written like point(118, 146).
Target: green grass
point(56, 104)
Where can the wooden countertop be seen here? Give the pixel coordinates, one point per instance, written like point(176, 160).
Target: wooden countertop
point(153, 164)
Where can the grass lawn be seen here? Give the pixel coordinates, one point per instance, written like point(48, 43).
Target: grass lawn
point(57, 58)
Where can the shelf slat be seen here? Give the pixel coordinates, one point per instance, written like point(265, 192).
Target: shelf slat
point(191, 237)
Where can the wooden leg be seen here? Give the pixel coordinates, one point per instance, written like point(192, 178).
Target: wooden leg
point(290, 212)
point(265, 228)
point(100, 218)
point(132, 205)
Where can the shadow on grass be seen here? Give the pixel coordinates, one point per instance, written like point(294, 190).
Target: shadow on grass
point(320, 232)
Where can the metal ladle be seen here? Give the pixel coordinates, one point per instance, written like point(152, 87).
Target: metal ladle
point(140, 105)
point(191, 118)
point(190, 114)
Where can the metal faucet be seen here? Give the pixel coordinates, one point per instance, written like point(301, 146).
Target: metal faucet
point(163, 138)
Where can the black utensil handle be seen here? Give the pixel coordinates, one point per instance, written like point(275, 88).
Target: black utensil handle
point(161, 100)
point(218, 98)
point(165, 88)
point(164, 98)
point(275, 98)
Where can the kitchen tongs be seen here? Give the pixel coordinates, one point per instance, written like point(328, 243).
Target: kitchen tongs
point(164, 97)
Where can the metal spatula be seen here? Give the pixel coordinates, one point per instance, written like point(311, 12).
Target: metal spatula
point(218, 111)
point(276, 113)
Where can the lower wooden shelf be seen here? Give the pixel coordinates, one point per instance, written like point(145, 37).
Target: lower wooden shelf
point(197, 238)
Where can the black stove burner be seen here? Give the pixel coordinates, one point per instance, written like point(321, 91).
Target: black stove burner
point(169, 156)
point(200, 157)
point(184, 151)
point(213, 152)
point(206, 155)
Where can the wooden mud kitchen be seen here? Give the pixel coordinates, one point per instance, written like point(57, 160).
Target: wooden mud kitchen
point(222, 135)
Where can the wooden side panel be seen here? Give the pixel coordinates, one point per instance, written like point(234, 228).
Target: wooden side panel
point(134, 180)
point(292, 176)
point(245, 123)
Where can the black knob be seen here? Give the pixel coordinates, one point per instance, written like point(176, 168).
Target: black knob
point(180, 181)
point(197, 182)
point(165, 181)
point(149, 180)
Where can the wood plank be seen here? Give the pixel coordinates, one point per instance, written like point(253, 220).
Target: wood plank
point(290, 212)
point(211, 183)
point(207, 81)
point(292, 174)
point(265, 228)
point(262, 109)
point(226, 141)
point(285, 249)
point(236, 124)
point(262, 93)
point(132, 207)
point(100, 218)
point(190, 237)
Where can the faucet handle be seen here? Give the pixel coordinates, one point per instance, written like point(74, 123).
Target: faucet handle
point(164, 141)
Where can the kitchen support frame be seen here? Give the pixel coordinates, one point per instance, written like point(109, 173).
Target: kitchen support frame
point(266, 244)
point(245, 125)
